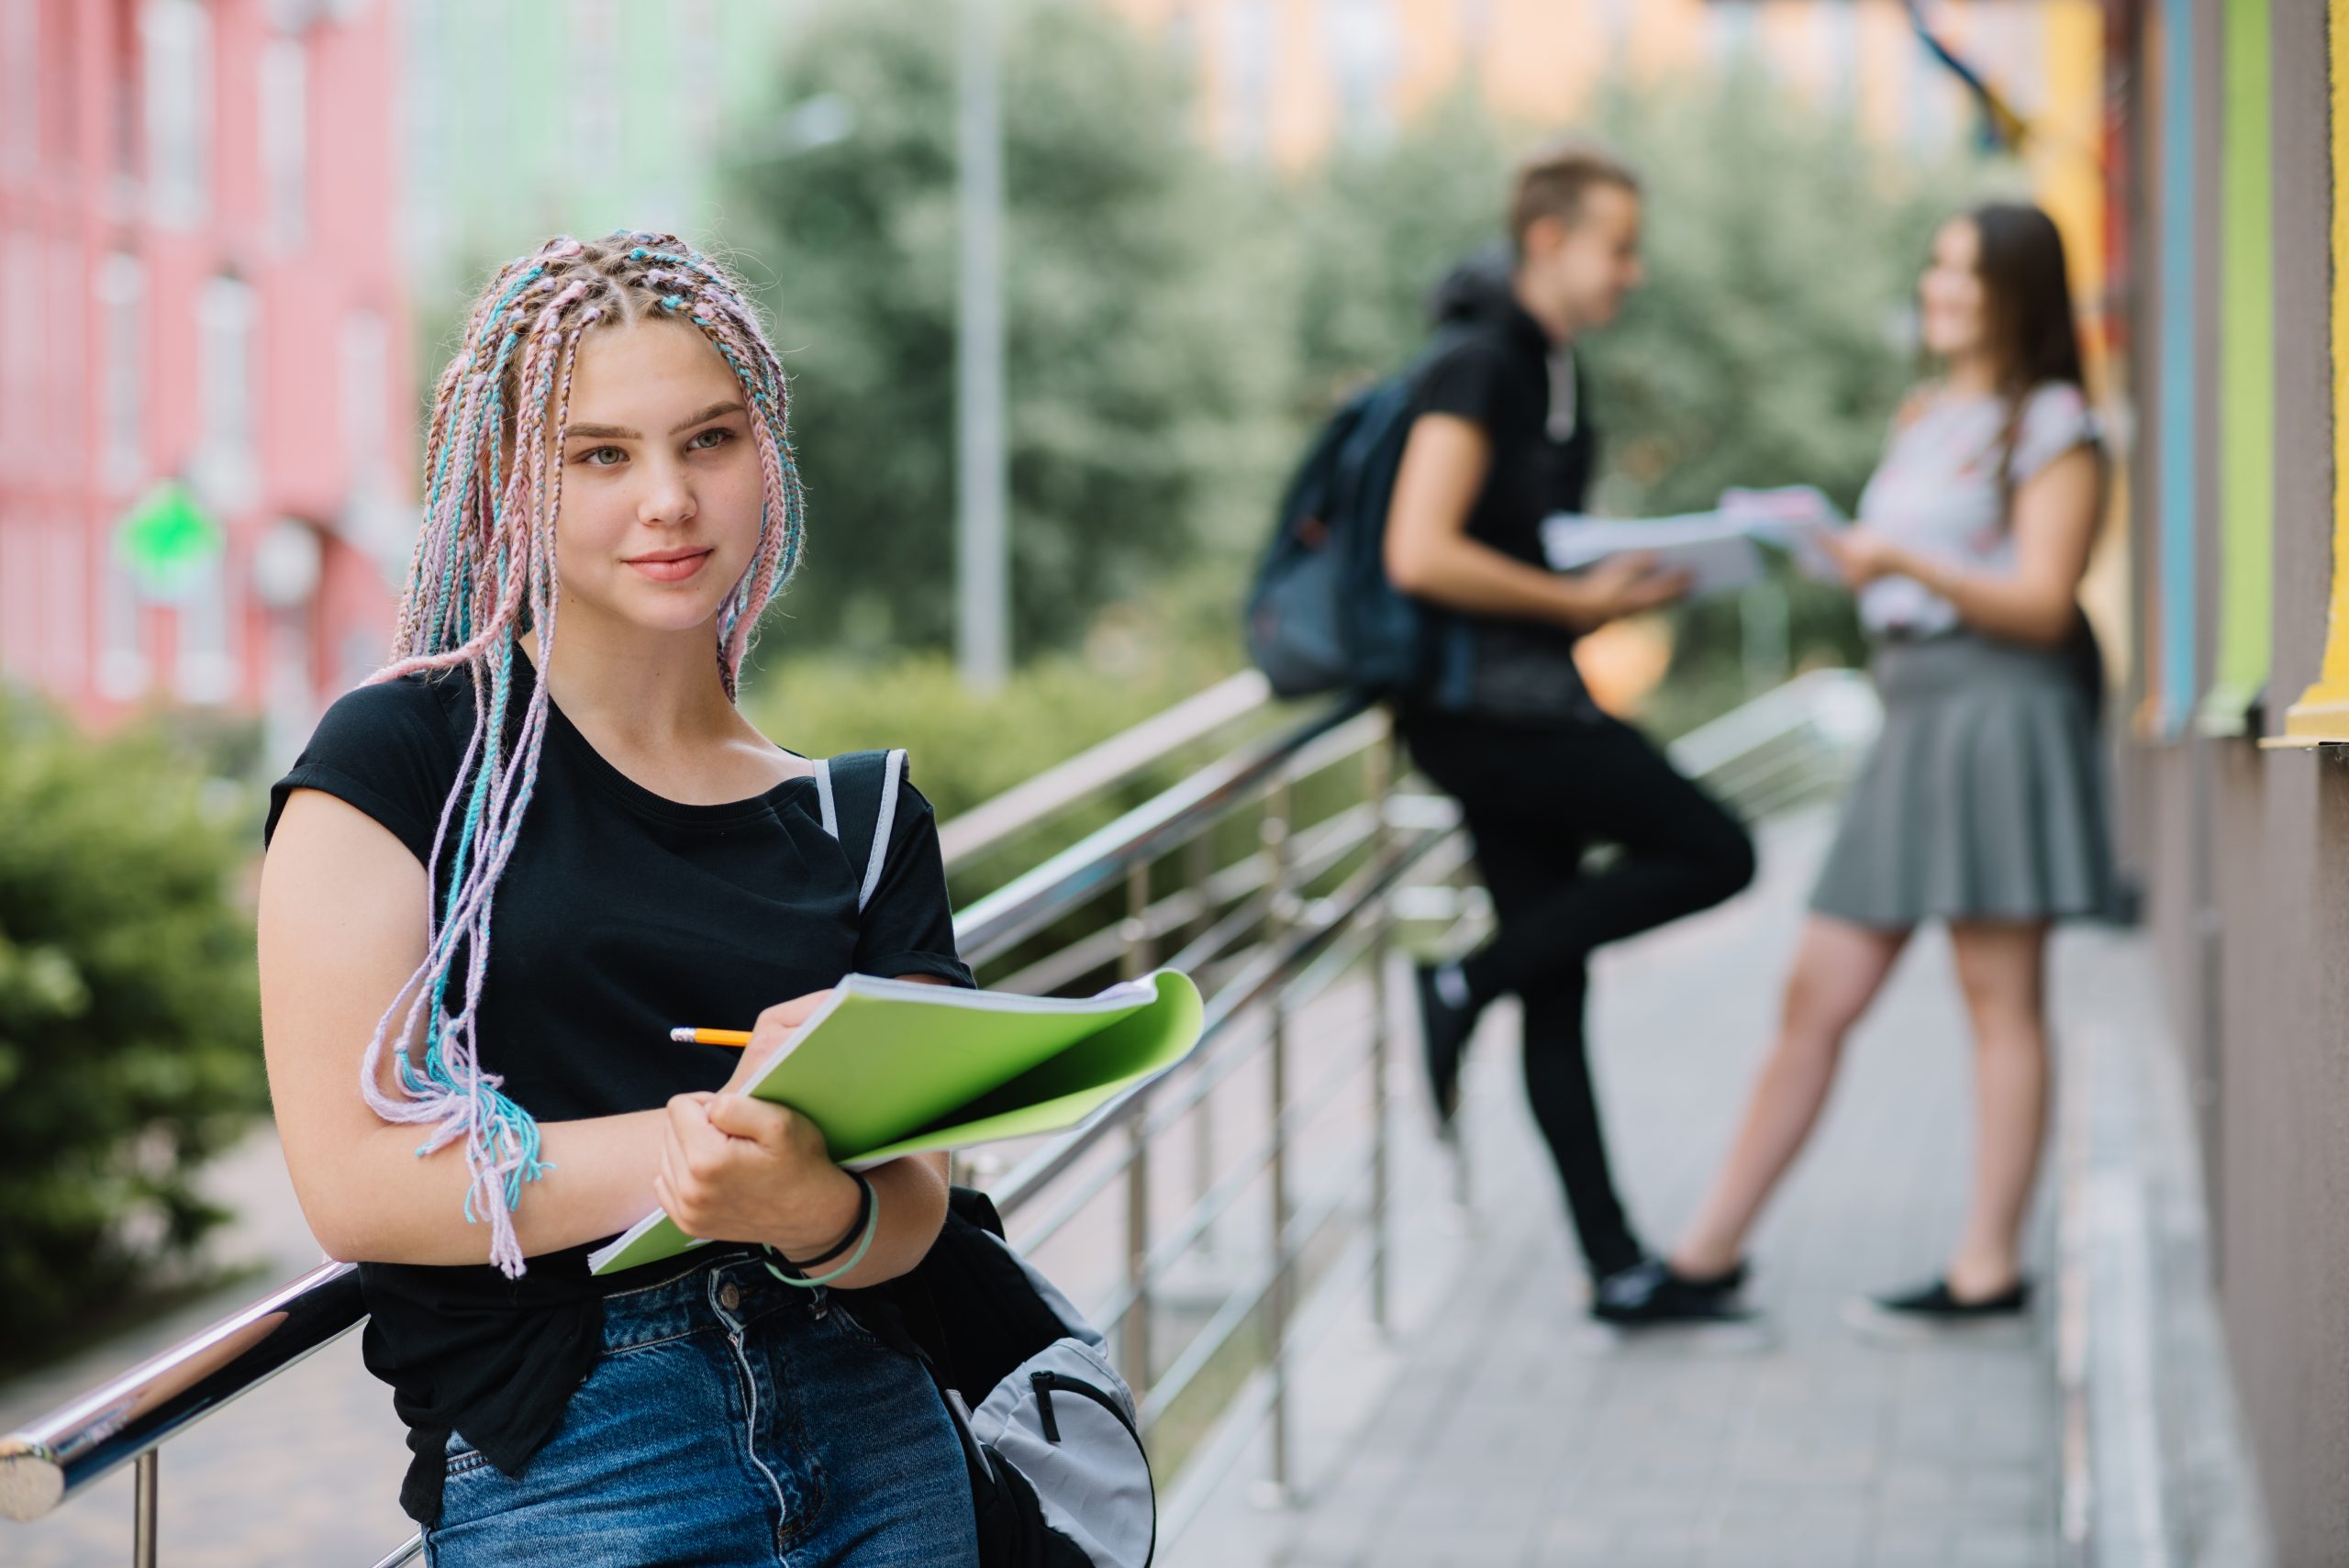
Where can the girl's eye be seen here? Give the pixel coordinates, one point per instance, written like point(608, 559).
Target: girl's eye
point(710, 438)
point(603, 457)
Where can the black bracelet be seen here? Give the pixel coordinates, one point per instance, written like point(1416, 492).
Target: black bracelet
point(855, 1231)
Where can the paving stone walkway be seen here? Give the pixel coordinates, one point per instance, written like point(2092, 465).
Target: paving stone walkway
point(1508, 1432)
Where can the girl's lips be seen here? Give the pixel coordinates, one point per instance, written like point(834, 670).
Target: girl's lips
point(675, 570)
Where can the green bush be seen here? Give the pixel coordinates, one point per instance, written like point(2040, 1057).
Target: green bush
point(967, 747)
point(129, 1030)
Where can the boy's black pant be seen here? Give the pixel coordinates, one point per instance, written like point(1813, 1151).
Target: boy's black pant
point(1535, 800)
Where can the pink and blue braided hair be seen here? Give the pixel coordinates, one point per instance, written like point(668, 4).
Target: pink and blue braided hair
point(483, 575)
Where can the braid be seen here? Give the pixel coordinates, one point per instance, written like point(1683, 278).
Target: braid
point(483, 573)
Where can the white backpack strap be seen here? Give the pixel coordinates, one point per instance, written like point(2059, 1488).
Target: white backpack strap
point(832, 818)
point(893, 768)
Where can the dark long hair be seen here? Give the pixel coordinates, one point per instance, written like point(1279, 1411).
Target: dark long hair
point(2034, 340)
point(2027, 310)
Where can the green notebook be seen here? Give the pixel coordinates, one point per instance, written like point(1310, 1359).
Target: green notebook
point(892, 1067)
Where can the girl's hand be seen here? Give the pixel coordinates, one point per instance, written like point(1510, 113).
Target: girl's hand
point(736, 1168)
point(1863, 554)
point(770, 1034)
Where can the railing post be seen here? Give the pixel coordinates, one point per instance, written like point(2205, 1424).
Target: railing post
point(1134, 1334)
point(146, 1471)
point(1378, 779)
point(1463, 1196)
point(1276, 833)
point(1198, 871)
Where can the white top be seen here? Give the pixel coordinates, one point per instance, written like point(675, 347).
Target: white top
point(1936, 491)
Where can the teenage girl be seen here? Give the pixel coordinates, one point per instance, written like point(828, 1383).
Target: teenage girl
point(1981, 806)
point(499, 875)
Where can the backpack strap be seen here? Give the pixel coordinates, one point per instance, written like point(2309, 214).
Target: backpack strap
point(857, 792)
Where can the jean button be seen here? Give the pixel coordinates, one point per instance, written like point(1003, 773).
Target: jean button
point(730, 1296)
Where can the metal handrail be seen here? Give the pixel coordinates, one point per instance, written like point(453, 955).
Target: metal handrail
point(1768, 750)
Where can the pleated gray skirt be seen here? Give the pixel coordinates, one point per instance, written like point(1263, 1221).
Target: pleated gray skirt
point(1984, 798)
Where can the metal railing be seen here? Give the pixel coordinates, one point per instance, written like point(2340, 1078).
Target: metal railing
point(1269, 903)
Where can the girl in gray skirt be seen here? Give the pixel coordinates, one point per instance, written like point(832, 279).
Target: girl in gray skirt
point(1982, 804)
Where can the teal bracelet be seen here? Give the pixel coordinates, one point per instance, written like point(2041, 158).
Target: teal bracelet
point(863, 1245)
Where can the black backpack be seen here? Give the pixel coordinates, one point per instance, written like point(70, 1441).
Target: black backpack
point(1053, 1441)
point(1322, 615)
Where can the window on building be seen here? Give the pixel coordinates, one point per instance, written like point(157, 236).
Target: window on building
point(20, 96)
point(122, 89)
point(1363, 53)
point(19, 597)
point(65, 392)
point(226, 471)
point(122, 311)
point(175, 39)
point(365, 364)
point(122, 663)
point(67, 636)
point(211, 615)
point(23, 327)
point(285, 80)
point(596, 92)
point(1248, 47)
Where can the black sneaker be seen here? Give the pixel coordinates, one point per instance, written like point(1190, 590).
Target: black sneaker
point(1651, 1294)
point(1931, 1310)
point(1444, 1039)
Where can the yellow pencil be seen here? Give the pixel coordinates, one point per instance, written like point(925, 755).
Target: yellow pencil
point(710, 1037)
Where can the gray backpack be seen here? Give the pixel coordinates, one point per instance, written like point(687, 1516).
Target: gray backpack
point(1059, 1477)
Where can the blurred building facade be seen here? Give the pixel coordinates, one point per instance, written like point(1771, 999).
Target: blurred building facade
point(204, 287)
point(2232, 175)
point(523, 119)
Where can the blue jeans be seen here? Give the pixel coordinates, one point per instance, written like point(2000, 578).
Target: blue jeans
point(729, 1419)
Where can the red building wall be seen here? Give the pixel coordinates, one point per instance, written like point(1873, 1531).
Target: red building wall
point(200, 281)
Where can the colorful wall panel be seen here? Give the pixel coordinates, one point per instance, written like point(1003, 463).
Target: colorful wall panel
point(2322, 712)
point(2172, 683)
point(2247, 374)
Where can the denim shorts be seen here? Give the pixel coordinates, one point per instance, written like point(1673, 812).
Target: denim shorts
point(729, 1420)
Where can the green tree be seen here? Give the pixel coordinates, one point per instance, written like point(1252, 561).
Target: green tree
point(1135, 367)
point(129, 1033)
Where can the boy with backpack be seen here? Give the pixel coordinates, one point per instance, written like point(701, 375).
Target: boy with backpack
point(1409, 564)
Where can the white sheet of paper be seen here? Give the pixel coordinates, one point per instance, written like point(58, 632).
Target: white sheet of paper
point(1790, 518)
point(1718, 554)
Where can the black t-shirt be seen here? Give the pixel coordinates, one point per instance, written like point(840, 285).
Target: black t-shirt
point(1501, 372)
point(1496, 368)
point(620, 915)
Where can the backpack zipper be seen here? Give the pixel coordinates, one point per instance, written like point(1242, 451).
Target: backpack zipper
point(1046, 1382)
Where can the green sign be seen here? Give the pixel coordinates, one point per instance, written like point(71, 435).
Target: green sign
point(168, 542)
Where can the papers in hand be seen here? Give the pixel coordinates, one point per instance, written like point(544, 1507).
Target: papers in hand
point(1793, 518)
point(1717, 554)
point(1717, 550)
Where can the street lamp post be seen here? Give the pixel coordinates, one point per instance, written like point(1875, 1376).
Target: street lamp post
point(982, 634)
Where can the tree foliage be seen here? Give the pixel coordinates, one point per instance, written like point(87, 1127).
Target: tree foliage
point(129, 1032)
point(1135, 378)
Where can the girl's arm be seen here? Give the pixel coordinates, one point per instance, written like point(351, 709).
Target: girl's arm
point(342, 928)
point(2054, 518)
